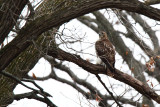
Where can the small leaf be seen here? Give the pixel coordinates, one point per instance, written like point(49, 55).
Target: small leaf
point(151, 64)
point(126, 52)
point(148, 66)
point(132, 69)
point(33, 75)
point(145, 105)
point(98, 98)
point(117, 22)
point(152, 61)
point(151, 84)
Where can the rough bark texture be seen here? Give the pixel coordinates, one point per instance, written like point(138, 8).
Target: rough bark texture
point(10, 11)
point(19, 67)
point(152, 2)
point(65, 11)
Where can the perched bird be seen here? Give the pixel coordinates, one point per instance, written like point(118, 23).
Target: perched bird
point(105, 51)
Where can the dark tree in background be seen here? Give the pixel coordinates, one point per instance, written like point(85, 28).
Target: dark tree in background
point(31, 30)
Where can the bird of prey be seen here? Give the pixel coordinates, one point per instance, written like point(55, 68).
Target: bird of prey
point(105, 51)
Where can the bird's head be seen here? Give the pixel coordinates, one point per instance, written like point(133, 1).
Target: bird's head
point(102, 34)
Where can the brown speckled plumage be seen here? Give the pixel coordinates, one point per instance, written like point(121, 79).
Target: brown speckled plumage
point(105, 50)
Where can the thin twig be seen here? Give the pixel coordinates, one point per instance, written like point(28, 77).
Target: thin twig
point(16, 79)
point(99, 78)
point(34, 95)
point(41, 92)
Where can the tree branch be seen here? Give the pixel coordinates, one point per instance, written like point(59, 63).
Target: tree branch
point(96, 69)
point(151, 33)
point(86, 21)
point(99, 78)
point(33, 95)
point(67, 11)
point(152, 2)
point(133, 36)
point(90, 87)
point(41, 92)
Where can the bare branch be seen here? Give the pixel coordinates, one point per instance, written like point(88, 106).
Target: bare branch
point(132, 35)
point(151, 33)
point(152, 2)
point(41, 92)
point(96, 69)
point(99, 78)
point(68, 12)
point(33, 95)
point(86, 21)
point(90, 87)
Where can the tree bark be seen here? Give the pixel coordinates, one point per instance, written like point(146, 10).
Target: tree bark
point(65, 11)
point(10, 11)
point(62, 12)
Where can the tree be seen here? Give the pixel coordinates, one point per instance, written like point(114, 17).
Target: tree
point(39, 37)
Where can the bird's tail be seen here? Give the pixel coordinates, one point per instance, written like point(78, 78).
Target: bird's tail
point(110, 66)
